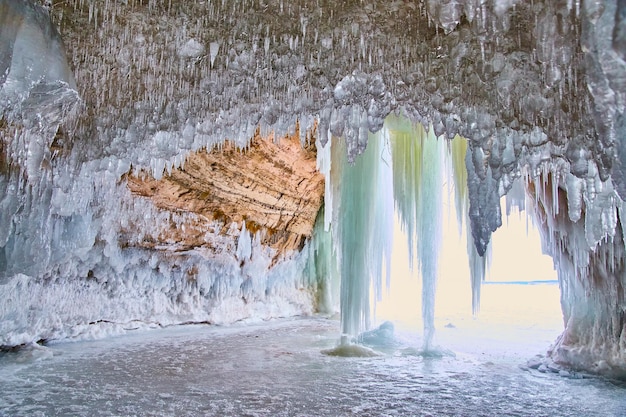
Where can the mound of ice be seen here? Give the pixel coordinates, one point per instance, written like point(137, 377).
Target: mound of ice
point(351, 350)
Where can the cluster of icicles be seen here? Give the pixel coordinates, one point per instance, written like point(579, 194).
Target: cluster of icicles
point(402, 171)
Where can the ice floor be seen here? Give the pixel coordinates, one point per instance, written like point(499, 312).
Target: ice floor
point(277, 369)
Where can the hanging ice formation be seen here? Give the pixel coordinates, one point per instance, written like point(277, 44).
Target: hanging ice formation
point(421, 162)
point(404, 167)
point(322, 265)
point(477, 264)
point(417, 183)
point(362, 208)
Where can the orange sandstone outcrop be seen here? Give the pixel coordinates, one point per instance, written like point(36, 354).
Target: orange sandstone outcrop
point(273, 186)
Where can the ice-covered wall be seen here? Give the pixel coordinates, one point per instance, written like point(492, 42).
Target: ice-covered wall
point(510, 76)
point(536, 87)
point(592, 274)
point(31, 50)
point(66, 266)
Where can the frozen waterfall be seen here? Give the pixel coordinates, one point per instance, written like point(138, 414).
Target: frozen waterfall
point(402, 171)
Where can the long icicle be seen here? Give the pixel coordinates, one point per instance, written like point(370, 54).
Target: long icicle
point(430, 230)
point(362, 209)
point(417, 166)
point(477, 264)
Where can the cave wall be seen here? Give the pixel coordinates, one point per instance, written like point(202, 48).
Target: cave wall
point(273, 186)
point(92, 245)
point(592, 277)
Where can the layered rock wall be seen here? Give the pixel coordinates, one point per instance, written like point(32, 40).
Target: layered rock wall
point(273, 187)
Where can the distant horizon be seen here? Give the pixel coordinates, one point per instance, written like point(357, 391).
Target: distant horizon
point(529, 282)
point(515, 258)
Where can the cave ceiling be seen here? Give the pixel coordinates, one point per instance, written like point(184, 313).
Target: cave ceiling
point(534, 86)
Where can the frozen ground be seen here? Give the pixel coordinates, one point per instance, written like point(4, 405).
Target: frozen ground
point(277, 369)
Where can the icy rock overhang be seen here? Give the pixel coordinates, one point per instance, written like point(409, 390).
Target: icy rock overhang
point(271, 186)
point(528, 84)
point(592, 276)
point(65, 204)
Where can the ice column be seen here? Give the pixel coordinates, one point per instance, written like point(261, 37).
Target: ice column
point(417, 182)
point(322, 265)
point(363, 212)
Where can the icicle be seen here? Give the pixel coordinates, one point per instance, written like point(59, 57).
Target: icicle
point(384, 209)
point(214, 48)
point(324, 160)
point(429, 230)
point(244, 244)
point(407, 166)
point(322, 266)
point(362, 212)
point(418, 173)
point(458, 150)
point(478, 268)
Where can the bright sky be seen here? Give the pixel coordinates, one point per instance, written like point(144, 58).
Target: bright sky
point(516, 256)
point(516, 250)
point(509, 313)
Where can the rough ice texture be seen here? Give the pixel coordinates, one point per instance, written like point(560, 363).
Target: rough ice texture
point(535, 87)
point(522, 81)
point(69, 265)
point(592, 275)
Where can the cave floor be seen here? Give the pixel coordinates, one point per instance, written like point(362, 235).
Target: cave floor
point(277, 369)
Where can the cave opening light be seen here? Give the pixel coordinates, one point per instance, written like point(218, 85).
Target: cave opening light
point(400, 228)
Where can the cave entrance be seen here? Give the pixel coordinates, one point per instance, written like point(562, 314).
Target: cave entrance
point(519, 311)
point(401, 216)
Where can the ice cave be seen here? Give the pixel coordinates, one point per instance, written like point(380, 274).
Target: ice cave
point(170, 167)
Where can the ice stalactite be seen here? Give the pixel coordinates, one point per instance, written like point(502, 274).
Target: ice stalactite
point(428, 216)
point(405, 165)
point(322, 266)
point(457, 151)
point(418, 181)
point(324, 160)
point(361, 204)
point(478, 269)
point(244, 244)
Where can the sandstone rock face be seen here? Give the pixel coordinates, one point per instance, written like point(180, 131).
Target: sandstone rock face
point(271, 185)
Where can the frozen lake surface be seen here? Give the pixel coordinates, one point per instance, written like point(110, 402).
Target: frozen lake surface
point(277, 369)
